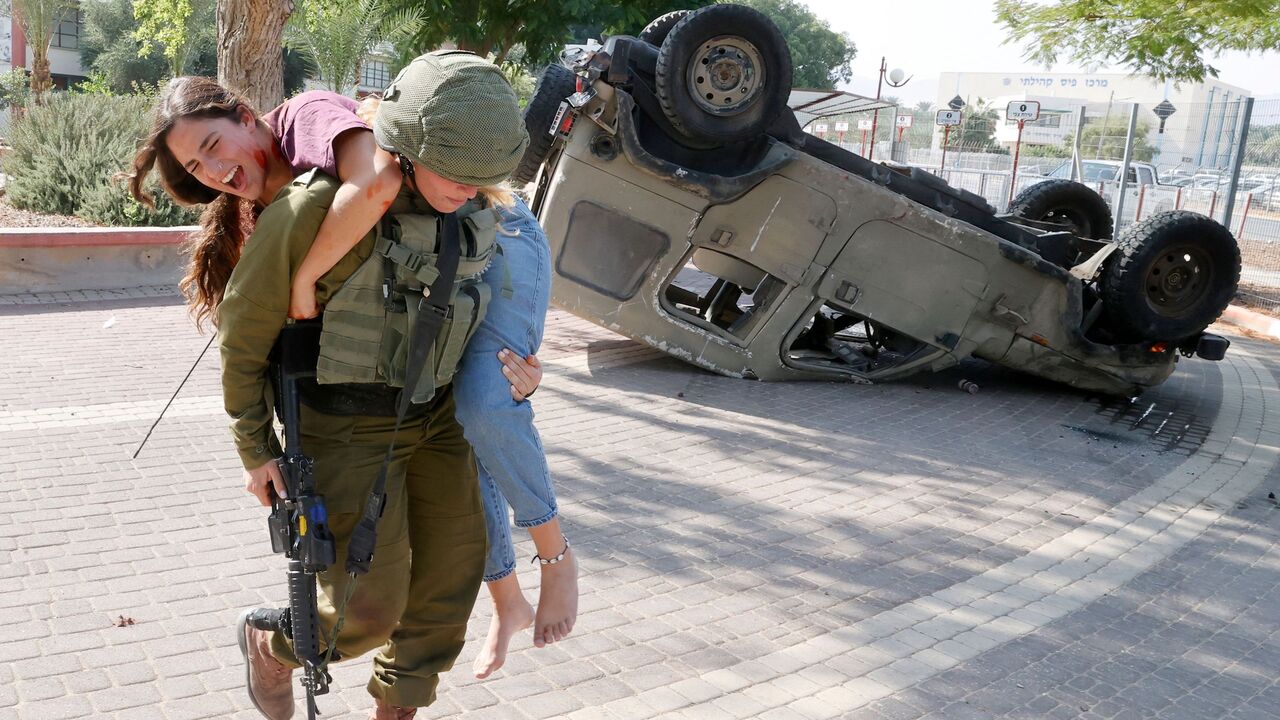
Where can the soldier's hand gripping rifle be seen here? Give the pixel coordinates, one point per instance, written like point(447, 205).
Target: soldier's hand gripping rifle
point(299, 524)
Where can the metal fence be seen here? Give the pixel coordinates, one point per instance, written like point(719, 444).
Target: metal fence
point(1221, 159)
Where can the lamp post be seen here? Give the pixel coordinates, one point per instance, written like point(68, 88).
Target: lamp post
point(896, 80)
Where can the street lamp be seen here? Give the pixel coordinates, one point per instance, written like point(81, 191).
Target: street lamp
point(896, 80)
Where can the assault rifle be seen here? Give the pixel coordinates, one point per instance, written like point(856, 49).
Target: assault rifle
point(299, 524)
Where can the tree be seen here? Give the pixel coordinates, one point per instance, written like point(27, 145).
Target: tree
point(179, 27)
point(1104, 140)
point(110, 51)
point(1167, 40)
point(250, 35)
point(38, 18)
point(495, 27)
point(978, 128)
point(820, 57)
point(1263, 146)
point(336, 36)
point(15, 89)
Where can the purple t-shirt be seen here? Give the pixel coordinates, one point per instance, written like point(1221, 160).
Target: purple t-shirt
point(308, 124)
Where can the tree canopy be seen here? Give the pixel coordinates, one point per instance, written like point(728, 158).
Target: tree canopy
point(336, 37)
point(977, 131)
point(1105, 140)
point(495, 27)
point(182, 29)
point(1263, 146)
point(820, 56)
point(109, 49)
point(1167, 40)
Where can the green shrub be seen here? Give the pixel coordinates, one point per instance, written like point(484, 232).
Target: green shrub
point(66, 152)
point(15, 88)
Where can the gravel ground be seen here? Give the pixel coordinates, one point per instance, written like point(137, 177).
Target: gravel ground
point(12, 217)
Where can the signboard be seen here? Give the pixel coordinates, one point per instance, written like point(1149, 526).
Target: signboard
point(820, 128)
point(842, 127)
point(948, 117)
point(1163, 111)
point(864, 124)
point(1023, 110)
point(903, 121)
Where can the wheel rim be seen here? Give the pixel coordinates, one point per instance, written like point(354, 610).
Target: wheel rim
point(726, 75)
point(1178, 279)
point(1076, 222)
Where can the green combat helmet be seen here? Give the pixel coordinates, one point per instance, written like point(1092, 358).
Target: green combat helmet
point(455, 114)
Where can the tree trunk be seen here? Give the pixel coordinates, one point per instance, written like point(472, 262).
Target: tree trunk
point(250, 38)
point(479, 47)
point(41, 81)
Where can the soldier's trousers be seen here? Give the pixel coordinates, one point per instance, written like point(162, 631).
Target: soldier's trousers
point(413, 604)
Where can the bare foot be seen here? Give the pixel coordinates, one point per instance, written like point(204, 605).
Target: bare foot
point(511, 614)
point(557, 602)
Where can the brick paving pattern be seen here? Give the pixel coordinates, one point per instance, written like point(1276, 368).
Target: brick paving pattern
point(749, 550)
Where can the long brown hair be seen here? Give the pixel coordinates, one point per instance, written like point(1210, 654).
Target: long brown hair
point(214, 249)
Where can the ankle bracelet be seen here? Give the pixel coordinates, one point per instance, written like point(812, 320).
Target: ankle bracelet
point(556, 559)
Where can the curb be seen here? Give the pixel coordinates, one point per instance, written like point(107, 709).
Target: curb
point(49, 237)
point(1251, 320)
point(39, 260)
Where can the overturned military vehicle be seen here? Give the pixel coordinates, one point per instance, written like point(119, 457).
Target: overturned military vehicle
point(687, 209)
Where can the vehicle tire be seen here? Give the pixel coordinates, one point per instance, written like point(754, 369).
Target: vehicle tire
point(655, 32)
point(1171, 276)
point(556, 84)
point(1074, 205)
point(723, 74)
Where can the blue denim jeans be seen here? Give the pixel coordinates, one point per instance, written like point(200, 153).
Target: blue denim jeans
point(513, 466)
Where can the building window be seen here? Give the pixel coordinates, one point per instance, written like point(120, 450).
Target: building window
point(375, 74)
point(67, 33)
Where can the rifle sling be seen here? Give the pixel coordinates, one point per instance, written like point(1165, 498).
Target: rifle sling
point(432, 311)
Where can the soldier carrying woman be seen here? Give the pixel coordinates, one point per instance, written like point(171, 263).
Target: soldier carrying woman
point(448, 132)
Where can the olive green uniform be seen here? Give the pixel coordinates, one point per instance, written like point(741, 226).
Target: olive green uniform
point(426, 572)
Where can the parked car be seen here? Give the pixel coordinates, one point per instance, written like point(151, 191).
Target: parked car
point(1140, 173)
point(687, 209)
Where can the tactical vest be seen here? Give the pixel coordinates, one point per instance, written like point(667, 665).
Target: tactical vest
point(367, 322)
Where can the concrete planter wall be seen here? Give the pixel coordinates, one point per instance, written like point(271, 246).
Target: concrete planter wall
point(64, 259)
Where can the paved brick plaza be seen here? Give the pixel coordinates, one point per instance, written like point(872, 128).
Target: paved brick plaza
point(749, 550)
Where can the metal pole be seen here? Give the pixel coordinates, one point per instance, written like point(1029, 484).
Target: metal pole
point(1124, 166)
point(1244, 217)
point(1017, 149)
point(946, 133)
point(1106, 122)
point(875, 118)
point(1077, 170)
point(1217, 133)
point(1243, 134)
point(1204, 131)
point(1229, 150)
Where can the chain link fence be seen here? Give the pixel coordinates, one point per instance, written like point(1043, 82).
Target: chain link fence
point(1185, 157)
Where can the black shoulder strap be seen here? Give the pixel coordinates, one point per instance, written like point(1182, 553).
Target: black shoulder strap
point(432, 311)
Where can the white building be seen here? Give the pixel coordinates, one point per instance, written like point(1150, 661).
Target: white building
point(1200, 132)
point(64, 48)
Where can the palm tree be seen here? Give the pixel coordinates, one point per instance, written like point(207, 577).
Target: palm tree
point(978, 129)
point(336, 37)
point(38, 18)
